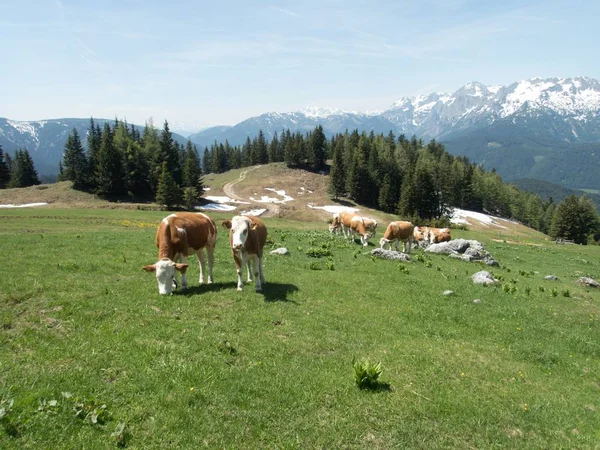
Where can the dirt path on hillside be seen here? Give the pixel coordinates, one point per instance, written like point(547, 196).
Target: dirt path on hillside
point(230, 192)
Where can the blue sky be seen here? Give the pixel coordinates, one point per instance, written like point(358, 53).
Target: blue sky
point(199, 63)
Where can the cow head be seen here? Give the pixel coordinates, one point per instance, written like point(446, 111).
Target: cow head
point(165, 274)
point(239, 227)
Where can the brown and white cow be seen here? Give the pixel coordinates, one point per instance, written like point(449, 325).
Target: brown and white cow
point(336, 223)
point(436, 235)
point(247, 237)
point(177, 236)
point(398, 231)
point(364, 227)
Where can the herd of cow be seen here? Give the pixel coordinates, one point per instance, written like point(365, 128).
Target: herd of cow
point(350, 223)
point(184, 233)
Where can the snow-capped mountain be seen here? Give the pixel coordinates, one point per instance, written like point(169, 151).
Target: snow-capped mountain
point(573, 101)
point(552, 110)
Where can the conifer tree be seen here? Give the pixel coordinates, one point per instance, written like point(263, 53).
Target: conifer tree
point(4, 171)
point(110, 176)
point(151, 149)
point(94, 140)
point(273, 151)
point(575, 218)
point(168, 193)
point(23, 173)
point(337, 174)
point(316, 149)
point(74, 162)
point(191, 166)
point(137, 170)
point(168, 152)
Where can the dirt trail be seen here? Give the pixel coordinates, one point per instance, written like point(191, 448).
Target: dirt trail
point(230, 192)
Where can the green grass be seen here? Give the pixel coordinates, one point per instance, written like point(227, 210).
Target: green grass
point(213, 367)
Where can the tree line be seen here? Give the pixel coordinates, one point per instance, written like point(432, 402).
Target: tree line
point(416, 180)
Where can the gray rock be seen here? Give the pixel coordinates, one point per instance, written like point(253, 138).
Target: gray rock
point(390, 254)
point(587, 281)
point(280, 251)
point(477, 301)
point(489, 261)
point(448, 292)
point(483, 277)
point(551, 277)
point(464, 249)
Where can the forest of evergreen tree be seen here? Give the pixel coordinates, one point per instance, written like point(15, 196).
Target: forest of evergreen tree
point(417, 181)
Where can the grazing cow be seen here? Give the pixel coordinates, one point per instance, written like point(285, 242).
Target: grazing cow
point(177, 236)
point(365, 228)
point(436, 235)
point(396, 232)
point(247, 237)
point(336, 224)
point(419, 234)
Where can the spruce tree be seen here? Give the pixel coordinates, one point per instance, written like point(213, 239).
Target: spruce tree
point(4, 171)
point(191, 166)
point(575, 218)
point(151, 149)
point(168, 193)
point(337, 174)
point(23, 173)
point(74, 162)
point(110, 174)
point(94, 140)
point(168, 152)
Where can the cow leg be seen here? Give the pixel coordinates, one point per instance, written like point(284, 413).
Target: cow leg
point(210, 250)
point(258, 276)
point(201, 264)
point(250, 268)
point(396, 243)
point(183, 260)
point(408, 243)
point(239, 266)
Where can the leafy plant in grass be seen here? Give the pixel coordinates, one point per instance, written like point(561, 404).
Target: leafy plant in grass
point(6, 418)
point(315, 266)
point(554, 292)
point(88, 410)
point(366, 374)
point(329, 264)
point(318, 252)
point(566, 293)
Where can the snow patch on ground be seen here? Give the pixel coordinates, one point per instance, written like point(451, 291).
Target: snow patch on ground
point(267, 199)
point(333, 208)
point(462, 216)
point(254, 212)
point(26, 205)
point(224, 199)
point(216, 207)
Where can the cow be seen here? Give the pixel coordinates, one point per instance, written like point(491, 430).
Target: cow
point(336, 224)
point(436, 235)
point(365, 228)
point(247, 237)
point(396, 232)
point(177, 236)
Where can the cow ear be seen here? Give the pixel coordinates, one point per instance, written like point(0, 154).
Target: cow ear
point(227, 224)
point(181, 267)
point(150, 268)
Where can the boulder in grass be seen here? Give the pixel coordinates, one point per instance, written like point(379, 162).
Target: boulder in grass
point(280, 251)
point(483, 277)
point(390, 254)
point(551, 277)
point(464, 249)
point(587, 281)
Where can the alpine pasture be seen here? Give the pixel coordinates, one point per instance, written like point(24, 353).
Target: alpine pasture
point(93, 357)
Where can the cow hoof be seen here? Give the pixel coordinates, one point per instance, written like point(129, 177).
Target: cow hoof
point(239, 289)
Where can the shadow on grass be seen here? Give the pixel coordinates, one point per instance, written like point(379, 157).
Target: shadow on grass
point(278, 292)
point(377, 387)
point(202, 288)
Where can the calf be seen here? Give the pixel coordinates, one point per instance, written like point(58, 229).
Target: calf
point(177, 236)
point(247, 237)
point(398, 231)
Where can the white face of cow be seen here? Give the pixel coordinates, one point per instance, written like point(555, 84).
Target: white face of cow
point(165, 274)
point(240, 228)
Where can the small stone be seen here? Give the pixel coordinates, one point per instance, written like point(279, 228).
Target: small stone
point(280, 251)
point(477, 301)
point(448, 292)
point(551, 277)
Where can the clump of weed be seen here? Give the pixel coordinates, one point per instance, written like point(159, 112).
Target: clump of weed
point(226, 348)
point(315, 266)
point(366, 374)
point(318, 252)
point(329, 264)
point(554, 292)
point(541, 288)
point(566, 293)
point(527, 291)
point(403, 269)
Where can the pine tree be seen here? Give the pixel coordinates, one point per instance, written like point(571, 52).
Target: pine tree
point(94, 140)
point(337, 174)
point(273, 152)
point(151, 149)
point(191, 166)
point(23, 173)
point(168, 193)
point(110, 176)
point(316, 149)
point(575, 218)
point(168, 152)
point(74, 162)
point(4, 171)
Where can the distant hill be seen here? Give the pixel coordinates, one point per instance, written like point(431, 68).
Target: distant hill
point(549, 190)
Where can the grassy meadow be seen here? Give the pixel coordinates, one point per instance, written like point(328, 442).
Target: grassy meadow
point(92, 357)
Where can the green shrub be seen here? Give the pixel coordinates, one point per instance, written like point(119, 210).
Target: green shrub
point(366, 374)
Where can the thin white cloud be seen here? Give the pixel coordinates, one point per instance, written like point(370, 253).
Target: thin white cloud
point(284, 11)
